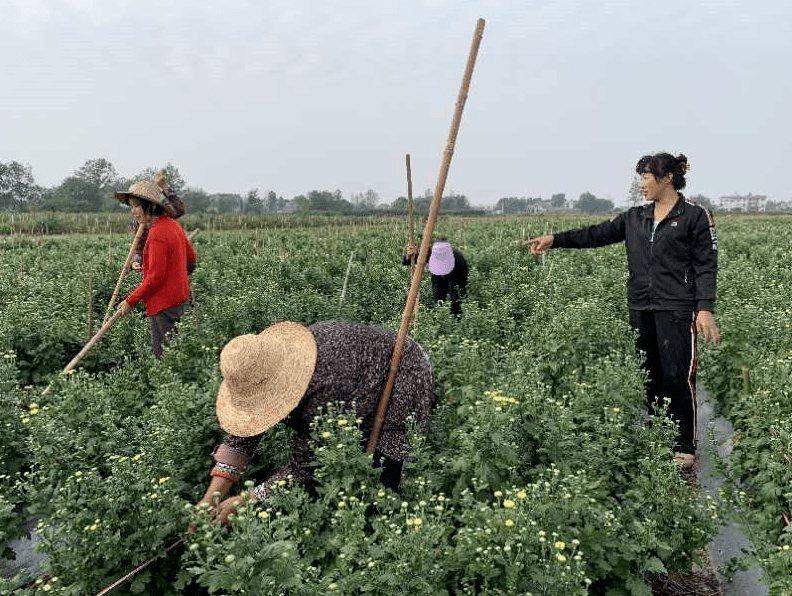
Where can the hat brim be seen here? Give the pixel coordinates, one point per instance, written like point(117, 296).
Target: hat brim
point(272, 401)
point(125, 196)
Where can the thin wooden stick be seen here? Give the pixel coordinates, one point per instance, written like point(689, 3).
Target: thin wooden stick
point(346, 278)
point(411, 241)
point(124, 270)
point(87, 348)
point(139, 568)
point(89, 327)
point(398, 348)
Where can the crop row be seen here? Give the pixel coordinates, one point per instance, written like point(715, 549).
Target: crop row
point(537, 475)
point(751, 375)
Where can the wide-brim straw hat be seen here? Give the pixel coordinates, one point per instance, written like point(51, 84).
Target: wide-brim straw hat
point(264, 377)
point(441, 261)
point(147, 190)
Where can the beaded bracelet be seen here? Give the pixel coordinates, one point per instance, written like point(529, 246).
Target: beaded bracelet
point(217, 471)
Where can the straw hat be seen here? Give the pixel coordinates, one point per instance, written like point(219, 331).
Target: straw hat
point(148, 191)
point(265, 377)
point(441, 260)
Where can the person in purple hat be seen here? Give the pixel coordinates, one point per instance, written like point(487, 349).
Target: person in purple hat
point(449, 271)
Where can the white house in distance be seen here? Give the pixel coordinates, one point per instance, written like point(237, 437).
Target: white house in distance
point(749, 203)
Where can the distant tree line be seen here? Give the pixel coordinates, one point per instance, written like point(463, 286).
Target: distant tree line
point(91, 188)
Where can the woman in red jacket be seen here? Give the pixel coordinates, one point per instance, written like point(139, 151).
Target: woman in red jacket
point(168, 258)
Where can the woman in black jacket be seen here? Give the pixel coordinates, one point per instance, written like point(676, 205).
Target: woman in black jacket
point(673, 262)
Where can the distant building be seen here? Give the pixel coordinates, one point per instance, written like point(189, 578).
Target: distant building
point(748, 203)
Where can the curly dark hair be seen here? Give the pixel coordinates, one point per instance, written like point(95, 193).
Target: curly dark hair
point(662, 164)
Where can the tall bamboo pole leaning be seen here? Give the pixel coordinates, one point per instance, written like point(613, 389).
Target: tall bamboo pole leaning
point(124, 270)
point(398, 348)
point(411, 240)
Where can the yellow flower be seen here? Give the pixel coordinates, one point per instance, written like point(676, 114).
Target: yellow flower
point(498, 494)
point(521, 494)
point(164, 479)
point(25, 420)
point(325, 435)
point(342, 422)
point(508, 503)
point(560, 545)
point(561, 558)
point(508, 522)
point(46, 587)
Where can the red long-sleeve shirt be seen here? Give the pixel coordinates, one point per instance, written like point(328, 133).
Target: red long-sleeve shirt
point(165, 259)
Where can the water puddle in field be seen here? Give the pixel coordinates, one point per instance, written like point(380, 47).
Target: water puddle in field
point(26, 556)
point(715, 446)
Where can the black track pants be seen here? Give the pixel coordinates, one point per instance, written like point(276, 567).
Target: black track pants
point(445, 288)
point(668, 340)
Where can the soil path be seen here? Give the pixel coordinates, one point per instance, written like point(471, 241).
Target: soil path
point(715, 446)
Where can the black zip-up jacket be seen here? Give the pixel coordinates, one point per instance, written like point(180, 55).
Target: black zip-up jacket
point(457, 276)
point(671, 268)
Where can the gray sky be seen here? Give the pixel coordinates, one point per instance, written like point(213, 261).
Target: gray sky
point(297, 95)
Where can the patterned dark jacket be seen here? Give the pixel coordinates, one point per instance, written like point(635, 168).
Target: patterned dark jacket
point(352, 363)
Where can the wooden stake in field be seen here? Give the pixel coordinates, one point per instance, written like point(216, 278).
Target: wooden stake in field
point(411, 239)
point(124, 270)
point(398, 348)
point(346, 278)
point(87, 347)
point(193, 299)
point(89, 327)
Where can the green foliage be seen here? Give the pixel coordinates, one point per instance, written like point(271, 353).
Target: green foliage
point(750, 375)
point(536, 473)
point(588, 203)
point(18, 190)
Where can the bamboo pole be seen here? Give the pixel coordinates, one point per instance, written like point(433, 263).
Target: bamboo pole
point(124, 270)
point(87, 347)
point(398, 348)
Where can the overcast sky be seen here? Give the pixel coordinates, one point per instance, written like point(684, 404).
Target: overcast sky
point(293, 95)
